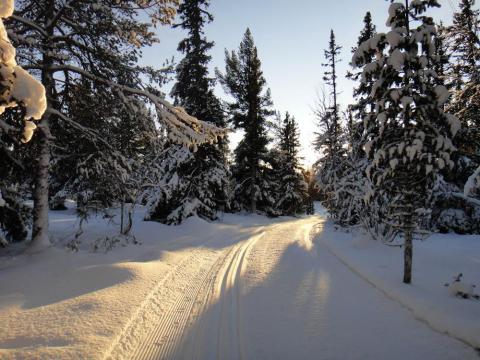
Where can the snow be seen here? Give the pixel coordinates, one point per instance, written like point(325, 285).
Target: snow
point(30, 93)
point(58, 304)
point(6, 8)
point(394, 37)
point(437, 261)
point(20, 86)
point(396, 59)
point(392, 13)
point(472, 183)
point(244, 287)
point(442, 94)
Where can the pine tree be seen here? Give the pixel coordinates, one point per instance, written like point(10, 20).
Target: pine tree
point(414, 138)
point(330, 139)
point(98, 43)
point(292, 187)
point(203, 175)
point(244, 81)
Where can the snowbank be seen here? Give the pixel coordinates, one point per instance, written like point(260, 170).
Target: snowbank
point(59, 304)
point(436, 261)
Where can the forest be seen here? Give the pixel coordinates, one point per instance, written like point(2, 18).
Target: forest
point(404, 158)
point(132, 226)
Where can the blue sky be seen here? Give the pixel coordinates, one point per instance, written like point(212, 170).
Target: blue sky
point(291, 37)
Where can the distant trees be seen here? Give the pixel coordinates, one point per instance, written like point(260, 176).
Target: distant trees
point(292, 189)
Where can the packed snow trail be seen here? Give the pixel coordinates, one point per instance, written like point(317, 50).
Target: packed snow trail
point(281, 295)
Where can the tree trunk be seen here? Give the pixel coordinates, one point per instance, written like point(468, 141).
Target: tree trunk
point(407, 270)
point(253, 200)
point(40, 237)
point(408, 248)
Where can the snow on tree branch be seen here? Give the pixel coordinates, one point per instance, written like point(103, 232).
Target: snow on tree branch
point(18, 87)
point(183, 128)
point(473, 182)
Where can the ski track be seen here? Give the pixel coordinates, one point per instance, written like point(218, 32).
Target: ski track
point(177, 302)
point(195, 312)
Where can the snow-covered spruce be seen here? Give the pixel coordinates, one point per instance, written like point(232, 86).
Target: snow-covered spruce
point(330, 138)
point(414, 138)
point(254, 189)
point(202, 177)
point(292, 189)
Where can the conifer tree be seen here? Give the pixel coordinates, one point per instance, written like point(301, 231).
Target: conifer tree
point(244, 81)
point(330, 139)
point(414, 140)
point(292, 187)
point(363, 103)
point(353, 183)
point(464, 76)
point(203, 175)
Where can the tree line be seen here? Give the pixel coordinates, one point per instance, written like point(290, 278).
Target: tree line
point(404, 160)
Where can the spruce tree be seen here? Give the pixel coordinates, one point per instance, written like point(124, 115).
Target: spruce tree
point(292, 187)
point(203, 175)
point(363, 103)
point(414, 140)
point(244, 81)
point(330, 139)
point(353, 183)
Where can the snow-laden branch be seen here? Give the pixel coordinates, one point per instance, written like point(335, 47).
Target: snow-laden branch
point(183, 128)
point(18, 87)
point(472, 183)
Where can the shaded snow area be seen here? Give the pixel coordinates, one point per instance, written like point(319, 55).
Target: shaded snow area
point(437, 261)
point(244, 287)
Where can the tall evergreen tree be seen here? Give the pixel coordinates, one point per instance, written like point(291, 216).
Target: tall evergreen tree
point(292, 187)
point(414, 138)
point(353, 183)
point(330, 139)
point(244, 81)
point(363, 103)
point(203, 175)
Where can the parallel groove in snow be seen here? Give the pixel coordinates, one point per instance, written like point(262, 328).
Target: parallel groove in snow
point(149, 310)
point(160, 344)
point(197, 289)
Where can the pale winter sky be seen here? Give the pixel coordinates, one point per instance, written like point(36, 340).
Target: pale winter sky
point(290, 37)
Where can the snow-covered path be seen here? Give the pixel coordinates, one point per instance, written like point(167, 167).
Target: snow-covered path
point(280, 294)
